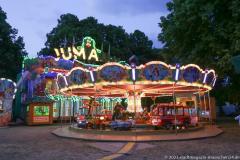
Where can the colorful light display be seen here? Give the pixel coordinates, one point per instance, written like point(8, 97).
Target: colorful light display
point(88, 47)
point(134, 104)
point(66, 82)
point(8, 87)
point(152, 79)
point(8, 90)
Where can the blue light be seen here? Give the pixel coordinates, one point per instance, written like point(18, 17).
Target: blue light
point(92, 76)
point(133, 74)
point(133, 66)
point(177, 72)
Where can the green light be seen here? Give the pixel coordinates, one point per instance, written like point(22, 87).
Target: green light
point(41, 110)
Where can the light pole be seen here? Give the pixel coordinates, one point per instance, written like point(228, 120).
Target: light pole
point(133, 66)
point(95, 87)
point(204, 99)
point(176, 78)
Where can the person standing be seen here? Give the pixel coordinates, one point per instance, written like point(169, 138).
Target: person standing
point(238, 119)
point(117, 111)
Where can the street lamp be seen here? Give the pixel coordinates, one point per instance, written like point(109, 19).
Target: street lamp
point(174, 101)
point(133, 66)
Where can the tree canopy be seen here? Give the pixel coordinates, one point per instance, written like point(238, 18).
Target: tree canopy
point(70, 30)
point(206, 33)
point(11, 49)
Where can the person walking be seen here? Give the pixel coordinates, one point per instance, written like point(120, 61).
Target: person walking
point(238, 119)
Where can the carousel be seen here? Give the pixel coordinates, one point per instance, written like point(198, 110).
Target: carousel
point(53, 89)
point(153, 79)
point(131, 82)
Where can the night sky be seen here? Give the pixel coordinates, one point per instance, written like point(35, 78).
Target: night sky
point(34, 19)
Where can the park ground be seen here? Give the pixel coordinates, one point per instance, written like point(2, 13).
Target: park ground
point(37, 143)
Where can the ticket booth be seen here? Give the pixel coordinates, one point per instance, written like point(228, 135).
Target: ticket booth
point(40, 113)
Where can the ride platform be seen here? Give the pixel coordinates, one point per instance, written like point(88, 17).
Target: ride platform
point(138, 135)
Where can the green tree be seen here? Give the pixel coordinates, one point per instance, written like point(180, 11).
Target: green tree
point(202, 32)
point(61, 35)
point(140, 45)
point(11, 49)
point(108, 38)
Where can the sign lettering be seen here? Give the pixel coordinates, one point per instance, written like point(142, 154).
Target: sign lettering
point(88, 48)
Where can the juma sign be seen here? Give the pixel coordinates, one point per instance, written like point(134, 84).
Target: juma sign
point(87, 51)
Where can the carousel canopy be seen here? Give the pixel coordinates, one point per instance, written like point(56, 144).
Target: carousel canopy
point(154, 78)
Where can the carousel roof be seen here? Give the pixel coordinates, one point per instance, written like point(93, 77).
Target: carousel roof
point(154, 78)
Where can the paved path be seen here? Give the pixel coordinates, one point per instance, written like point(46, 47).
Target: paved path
point(37, 143)
point(127, 148)
point(226, 144)
point(207, 131)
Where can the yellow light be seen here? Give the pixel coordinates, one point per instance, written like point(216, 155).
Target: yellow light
point(79, 53)
point(57, 54)
point(93, 54)
point(131, 106)
point(77, 68)
point(111, 64)
point(212, 71)
point(154, 62)
point(87, 85)
point(141, 82)
point(72, 52)
point(64, 54)
point(192, 65)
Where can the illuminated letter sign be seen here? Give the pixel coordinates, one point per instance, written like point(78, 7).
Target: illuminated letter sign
point(78, 53)
point(93, 54)
point(88, 47)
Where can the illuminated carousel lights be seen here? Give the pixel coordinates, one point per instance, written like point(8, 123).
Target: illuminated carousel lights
point(154, 62)
point(143, 82)
point(137, 83)
point(211, 70)
point(14, 84)
point(58, 70)
point(77, 68)
point(110, 64)
point(193, 65)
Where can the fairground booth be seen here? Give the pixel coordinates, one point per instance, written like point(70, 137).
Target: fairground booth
point(62, 88)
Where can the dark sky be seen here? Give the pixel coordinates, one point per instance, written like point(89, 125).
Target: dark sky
point(35, 18)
